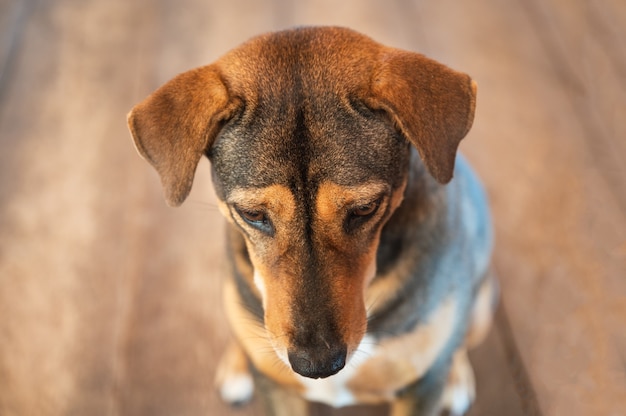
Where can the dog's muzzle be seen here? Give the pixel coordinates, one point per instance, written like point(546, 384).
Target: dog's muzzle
point(318, 362)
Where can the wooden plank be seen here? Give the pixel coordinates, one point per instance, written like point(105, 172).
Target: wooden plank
point(109, 301)
point(46, 189)
point(585, 44)
point(12, 16)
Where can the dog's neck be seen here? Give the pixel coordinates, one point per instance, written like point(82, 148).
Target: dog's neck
point(409, 242)
point(415, 220)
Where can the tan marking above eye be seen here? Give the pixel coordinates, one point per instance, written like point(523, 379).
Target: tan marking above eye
point(277, 201)
point(334, 199)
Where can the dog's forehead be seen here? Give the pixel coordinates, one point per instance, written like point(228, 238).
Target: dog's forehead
point(302, 121)
point(299, 147)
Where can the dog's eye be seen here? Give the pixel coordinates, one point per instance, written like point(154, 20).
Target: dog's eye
point(253, 216)
point(359, 215)
point(256, 218)
point(365, 209)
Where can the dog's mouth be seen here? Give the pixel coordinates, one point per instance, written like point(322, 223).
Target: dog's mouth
point(318, 362)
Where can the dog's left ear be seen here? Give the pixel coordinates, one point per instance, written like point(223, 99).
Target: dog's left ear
point(431, 104)
point(174, 126)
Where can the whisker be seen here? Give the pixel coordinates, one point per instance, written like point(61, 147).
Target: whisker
point(203, 205)
point(255, 317)
point(373, 305)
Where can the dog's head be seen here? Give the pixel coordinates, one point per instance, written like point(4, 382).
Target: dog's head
point(308, 132)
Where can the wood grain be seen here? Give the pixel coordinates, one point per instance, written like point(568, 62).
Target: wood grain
point(110, 302)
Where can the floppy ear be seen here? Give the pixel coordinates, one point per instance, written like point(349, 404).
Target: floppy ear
point(432, 105)
point(174, 126)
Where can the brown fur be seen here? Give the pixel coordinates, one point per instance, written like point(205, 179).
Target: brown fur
point(434, 107)
point(308, 132)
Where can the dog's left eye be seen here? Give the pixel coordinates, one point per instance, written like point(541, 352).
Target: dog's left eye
point(360, 214)
point(365, 209)
point(256, 218)
point(253, 216)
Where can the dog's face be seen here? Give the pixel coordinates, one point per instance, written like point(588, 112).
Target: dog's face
point(310, 192)
point(308, 132)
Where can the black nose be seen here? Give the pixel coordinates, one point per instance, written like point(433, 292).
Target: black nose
point(318, 362)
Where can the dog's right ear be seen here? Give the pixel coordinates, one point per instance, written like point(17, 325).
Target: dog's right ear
point(174, 126)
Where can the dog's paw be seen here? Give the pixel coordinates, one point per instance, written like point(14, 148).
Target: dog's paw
point(233, 379)
point(460, 390)
point(237, 390)
point(483, 312)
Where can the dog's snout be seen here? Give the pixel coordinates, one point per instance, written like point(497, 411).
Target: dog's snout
point(318, 362)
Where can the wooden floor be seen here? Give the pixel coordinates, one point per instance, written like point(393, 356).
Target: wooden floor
point(110, 302)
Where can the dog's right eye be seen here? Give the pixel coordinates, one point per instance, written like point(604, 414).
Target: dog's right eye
point(257, 219)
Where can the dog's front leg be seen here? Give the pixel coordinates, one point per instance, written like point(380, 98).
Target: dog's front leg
point(423, 398)
point(460, 390)
point(233, 377)
point(279, 401)
point(441, 390)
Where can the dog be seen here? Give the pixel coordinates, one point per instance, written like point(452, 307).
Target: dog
point(359, 240)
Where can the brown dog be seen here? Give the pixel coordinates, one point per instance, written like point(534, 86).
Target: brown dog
point(357, 277)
